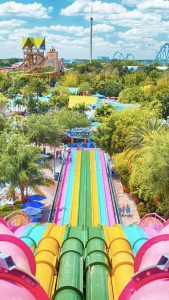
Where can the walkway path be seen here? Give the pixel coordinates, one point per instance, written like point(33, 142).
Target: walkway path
point(48, 191)
point(124, 199)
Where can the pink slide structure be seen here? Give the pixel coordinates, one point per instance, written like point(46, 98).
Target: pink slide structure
point(109, 203)
point(151, 268)
point(17, 269)
point(62, 195)
point(152, 224)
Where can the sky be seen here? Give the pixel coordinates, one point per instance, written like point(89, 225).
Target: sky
point(138, 27)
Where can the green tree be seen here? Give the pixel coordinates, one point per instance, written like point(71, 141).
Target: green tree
point(150, 175)
point(36, 85)
point(69, 119)
point(132, 95)
point(115, 130)
point(70, 79)
point(103, 112)
point(80, 107)
point(85, 87)
point(112, 88)
point(60, 98)
point(43, 129)
point(18, 163)
point(139, 136)
point(161, 92)
point(5, 84)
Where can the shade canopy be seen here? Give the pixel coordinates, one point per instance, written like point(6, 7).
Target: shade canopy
point(36, 198)
point(31, 211)
point(33, 204)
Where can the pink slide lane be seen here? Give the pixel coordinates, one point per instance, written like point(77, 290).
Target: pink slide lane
point(62, 194)
point(109, 204)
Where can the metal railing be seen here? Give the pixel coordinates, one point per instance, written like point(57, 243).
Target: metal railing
point(51, 215)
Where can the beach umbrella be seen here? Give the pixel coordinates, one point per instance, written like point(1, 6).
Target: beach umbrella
point(36, 198)
point(31, 211)
point(33, 204)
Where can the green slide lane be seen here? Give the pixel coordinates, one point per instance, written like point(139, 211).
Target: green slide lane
point(85, 211)
point(88, 191)
point(82, 206)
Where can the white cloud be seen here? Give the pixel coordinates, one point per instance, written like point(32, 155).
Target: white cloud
point(99, 7)
point(12, 23)
point(33, 10)
point(155, 4)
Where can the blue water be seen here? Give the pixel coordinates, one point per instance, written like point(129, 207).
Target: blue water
point(117, 105)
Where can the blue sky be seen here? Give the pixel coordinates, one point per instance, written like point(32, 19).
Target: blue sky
point(139, 27)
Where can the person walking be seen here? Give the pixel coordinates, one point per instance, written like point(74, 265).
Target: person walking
point(123, 209)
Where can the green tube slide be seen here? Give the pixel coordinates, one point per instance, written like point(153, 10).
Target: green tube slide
point(98, 272)
point(70, 277)
point(84, 215)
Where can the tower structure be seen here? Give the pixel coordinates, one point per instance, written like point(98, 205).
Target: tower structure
point(33, 53)
point(91, 33)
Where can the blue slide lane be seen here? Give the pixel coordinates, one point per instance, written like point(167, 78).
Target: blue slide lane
point(67, 208)
point(34, 234)
point(102, 202)
point(136, 237)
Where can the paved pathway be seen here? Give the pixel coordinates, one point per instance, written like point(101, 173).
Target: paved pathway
point(48, 191)
point(124, 199)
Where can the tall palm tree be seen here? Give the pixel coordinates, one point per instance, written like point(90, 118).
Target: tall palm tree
point(18, 164)
point(141, 135)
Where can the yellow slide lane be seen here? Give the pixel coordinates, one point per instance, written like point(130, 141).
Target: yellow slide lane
point(47, 257)
point(94, 191)
point(76, 189)
point(121, 257)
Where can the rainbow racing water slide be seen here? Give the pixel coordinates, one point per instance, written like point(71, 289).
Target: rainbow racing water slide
point(84, 253)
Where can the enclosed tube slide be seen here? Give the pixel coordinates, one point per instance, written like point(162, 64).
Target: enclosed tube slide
point(152, 272)
point(98, 270)
point(17, 269)
point(70, 277)
point(136, 236)
point(47, 257)
point(121, 257)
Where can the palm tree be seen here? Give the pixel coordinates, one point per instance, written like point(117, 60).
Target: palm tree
point(18, 164)
point(80, 107)
point(141, 135)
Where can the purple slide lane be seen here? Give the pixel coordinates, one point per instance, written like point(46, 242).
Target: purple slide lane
point(109, 204)
point(62, 194)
